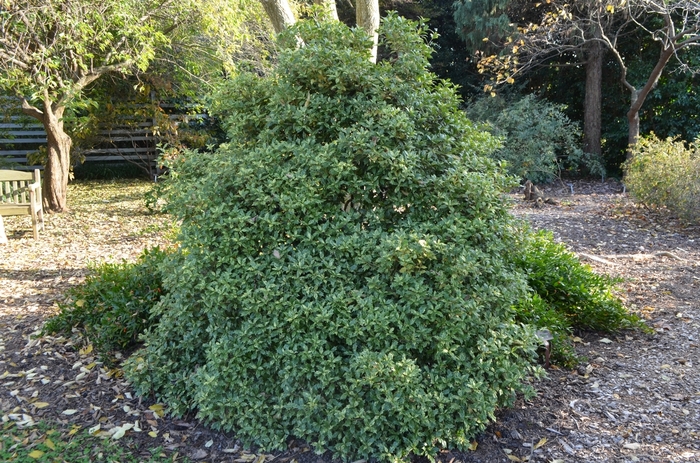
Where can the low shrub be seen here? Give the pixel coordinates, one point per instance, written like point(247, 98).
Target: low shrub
point(539, 140)
point(567, 294)
point(112, 306)
point(666, 174)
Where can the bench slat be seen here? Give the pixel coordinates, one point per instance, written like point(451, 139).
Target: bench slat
point(15, 209)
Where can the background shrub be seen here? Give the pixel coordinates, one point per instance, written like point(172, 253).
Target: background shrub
point(345, 273)
point(539, 141)
point(112, 307)
point(666, 173)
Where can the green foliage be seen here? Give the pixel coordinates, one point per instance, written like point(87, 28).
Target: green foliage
point(483, 24)
point(345, 273)
point(666, 173)
point(584, 298)
point(539, 140)
point(112, 307)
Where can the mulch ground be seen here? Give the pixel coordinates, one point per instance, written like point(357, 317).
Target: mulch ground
point(636, 397)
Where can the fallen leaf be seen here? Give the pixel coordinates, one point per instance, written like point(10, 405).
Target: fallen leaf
point(605, 341)
point(153, 434)
point(157, 409)
point(119, 433)
point(473, 445)
point(49, 443)
point(540, 443)
point(513, 458)
point(36, 454)
point(209, 443)
point(41, 404)
point(86, 350)
point(199, 454)
point(633, 446)
point(70, 412)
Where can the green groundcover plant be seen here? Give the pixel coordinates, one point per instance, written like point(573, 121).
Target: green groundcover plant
point(346, 267)
point(113, 306)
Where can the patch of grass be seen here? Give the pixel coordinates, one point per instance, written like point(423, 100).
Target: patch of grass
point(49, 443)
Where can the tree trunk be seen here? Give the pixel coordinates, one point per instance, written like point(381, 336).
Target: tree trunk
point(593, 99)
point(367, 14)
point(280, 13)
point(330, 7)
point(57, 169)
point(633, 123)
point(638, 97)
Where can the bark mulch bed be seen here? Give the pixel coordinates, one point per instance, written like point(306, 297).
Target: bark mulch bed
point(636, 397)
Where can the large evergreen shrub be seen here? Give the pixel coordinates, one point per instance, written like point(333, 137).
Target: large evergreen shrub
point(346, 267)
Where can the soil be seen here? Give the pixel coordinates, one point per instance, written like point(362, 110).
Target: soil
point(636, 397)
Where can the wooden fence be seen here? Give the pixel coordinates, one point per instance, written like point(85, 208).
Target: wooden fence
point(132, 142)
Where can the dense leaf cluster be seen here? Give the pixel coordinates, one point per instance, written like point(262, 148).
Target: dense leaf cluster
point(346, 266)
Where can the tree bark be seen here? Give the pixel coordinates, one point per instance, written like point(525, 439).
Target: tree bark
point(367, 14)
point(632, 123)
point(330, 7)
point(593, 99)
point(280, 13)
point(57, 169)
point(638, 97)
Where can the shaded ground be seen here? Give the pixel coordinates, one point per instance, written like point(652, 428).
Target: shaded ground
point(636, 398)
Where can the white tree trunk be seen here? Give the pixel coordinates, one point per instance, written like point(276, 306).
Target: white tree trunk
point(367, 14)
point(330, 7)
point(280, 13)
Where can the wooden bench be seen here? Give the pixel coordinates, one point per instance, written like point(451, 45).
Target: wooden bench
point(20, 194)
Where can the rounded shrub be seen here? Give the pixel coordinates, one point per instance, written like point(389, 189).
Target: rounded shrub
point(666, 174)
point(539, 140)
point(345, 272)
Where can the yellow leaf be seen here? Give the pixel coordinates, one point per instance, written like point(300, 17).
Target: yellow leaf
point(41, 404)
point(79, 303)
point(86, 350)
point(515, 49)
point(36, 454)
point(473, 445)
point(49, 443)
point(610, 9)
point(157, 409)
point(510, 80)
point(513, 458)
point(73, 430)
point(485, 39)
point(540, 443)
point(153, 434)
point(493, 94)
